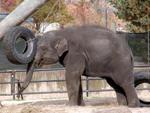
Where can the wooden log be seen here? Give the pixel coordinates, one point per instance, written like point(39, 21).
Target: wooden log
point(16, 17)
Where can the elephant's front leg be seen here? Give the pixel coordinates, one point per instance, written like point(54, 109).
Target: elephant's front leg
point(74, 89)
point(74, 70)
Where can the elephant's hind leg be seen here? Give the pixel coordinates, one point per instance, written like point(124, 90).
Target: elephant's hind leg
point(132, 98)
point(121, 97)
point(128, 86)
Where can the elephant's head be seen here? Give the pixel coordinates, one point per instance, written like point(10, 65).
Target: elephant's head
point(50, 49)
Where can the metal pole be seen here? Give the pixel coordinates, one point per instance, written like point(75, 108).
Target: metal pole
point(148, 35)
point(87, 86)
point(13, 84)
point(106, 16)
point(0, 4)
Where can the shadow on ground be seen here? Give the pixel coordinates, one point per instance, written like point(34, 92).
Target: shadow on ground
point(96, 105)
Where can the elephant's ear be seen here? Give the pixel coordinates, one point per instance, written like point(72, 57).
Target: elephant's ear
point(61, 46)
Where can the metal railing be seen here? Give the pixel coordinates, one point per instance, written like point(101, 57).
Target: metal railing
point(13, 82)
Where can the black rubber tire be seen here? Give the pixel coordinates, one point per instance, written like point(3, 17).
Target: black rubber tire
point(142, 77)
point(9, 42)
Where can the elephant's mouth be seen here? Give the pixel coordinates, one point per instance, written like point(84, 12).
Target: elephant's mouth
point(46, 61)
point(40, 63)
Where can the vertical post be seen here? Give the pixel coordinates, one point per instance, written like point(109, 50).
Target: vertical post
point(0, 4)
point(106, 18)
point(13, 84)
point(148, 54)
point(87, 86)
point(115, 27)
point(106, 24)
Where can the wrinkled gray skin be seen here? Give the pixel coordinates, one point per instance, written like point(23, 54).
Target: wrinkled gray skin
point(90, 51)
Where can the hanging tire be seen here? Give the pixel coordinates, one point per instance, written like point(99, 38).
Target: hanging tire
point(140, 78)
point(10, 42)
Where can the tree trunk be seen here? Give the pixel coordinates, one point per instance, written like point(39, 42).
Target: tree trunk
point(16, 17)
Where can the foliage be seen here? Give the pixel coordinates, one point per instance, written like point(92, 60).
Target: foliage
point(136, 12)
point(84, 13)
point(52, 11)
point(7, 5)
point(139, 47)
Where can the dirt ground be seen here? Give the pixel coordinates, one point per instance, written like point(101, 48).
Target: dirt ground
point(105, 105)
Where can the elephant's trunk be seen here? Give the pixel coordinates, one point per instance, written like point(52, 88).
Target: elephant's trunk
point(23, 11)
point(29, 73)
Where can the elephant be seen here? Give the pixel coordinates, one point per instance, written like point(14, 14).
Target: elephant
point(92, 51)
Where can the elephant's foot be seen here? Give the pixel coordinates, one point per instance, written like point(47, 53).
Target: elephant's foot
point(82, 103)
point(122, 102)
point(134, 103)
point(70, 103)
point(1, 105)
point(121, 99)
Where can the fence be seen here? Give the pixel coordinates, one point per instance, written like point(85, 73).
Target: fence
point(13, 82)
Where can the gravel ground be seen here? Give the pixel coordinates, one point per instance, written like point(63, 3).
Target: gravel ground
point(107, 105)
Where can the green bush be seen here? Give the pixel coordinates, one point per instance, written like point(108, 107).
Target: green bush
point(139, 47)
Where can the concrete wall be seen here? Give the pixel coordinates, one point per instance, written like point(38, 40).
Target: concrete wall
point(45, 86)
point(57, 86)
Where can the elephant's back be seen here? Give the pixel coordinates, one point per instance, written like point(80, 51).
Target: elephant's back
point(92, 38)
point(85, 34)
